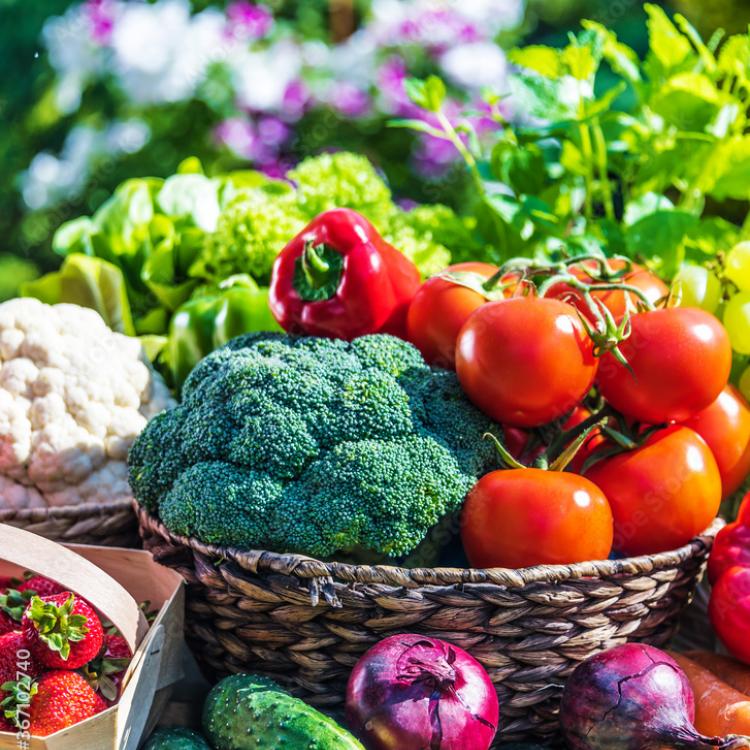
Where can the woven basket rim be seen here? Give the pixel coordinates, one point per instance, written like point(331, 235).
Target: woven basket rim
point(67, 512)
point(305, 567)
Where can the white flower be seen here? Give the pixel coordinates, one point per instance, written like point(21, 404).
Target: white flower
point(50, 179)
point(161, 53)
point(476, 65)
point(262, 77)
point(73, 54)
point(354, 61)
point(493, 15)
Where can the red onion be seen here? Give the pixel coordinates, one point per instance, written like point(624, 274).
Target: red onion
point(410, 692)
point(633, 697)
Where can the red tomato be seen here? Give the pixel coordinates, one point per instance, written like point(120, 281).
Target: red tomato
point(729, 610)
point(521, 517)
point(616, 300)
point(731, 547)
point(662, 493)
point(441, 307)
point(525, 361)
point(680, 359)
point(725, 426)
point(438, 311)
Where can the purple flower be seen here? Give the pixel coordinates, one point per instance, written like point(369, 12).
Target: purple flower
point(349, 100)
point(272, 131)
point(295, 100)
point(276, 168)
point(248, 21)
point(239, 136)
point(390, 77)
point(406, 203)
point(101, 18)
point(435, 29)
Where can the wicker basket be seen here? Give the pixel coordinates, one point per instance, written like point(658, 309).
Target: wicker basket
point(111, 525)
point(306, 622)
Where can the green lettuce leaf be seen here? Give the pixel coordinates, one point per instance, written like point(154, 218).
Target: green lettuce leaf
point(88, 282)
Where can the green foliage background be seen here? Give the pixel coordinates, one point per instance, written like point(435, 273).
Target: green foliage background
point(32, 124)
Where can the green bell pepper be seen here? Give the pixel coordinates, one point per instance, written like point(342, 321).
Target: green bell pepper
point(212, 317)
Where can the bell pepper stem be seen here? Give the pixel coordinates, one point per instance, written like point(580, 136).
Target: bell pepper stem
point(318, 272)
point(314, 266)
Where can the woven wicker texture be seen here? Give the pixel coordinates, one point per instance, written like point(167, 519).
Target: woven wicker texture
point(112, 525)
point(306, 622)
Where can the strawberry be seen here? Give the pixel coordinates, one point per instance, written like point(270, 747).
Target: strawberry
point(40, 586)
point(63, 631)
point(7, 623)
point(59, 699)
point(15, 658)
point(116, 647)
point(106, 672)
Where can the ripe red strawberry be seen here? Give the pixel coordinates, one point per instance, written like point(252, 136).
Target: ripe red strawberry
point(60, 699)
point(106, 673)
point(40, 586)
point(7, 623)
point(16, 663)
point(63, 631)
point(15, 658)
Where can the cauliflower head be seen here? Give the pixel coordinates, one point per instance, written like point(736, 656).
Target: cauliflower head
point(74, 395)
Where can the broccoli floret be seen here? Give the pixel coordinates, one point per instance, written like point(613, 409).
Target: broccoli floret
point(318, 446)
point(389, 494)
point(156, 459)
point(210, 501)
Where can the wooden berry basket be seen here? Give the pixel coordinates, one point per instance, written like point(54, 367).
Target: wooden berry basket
point(306, 622)
point(113, 580)
point(110, 525)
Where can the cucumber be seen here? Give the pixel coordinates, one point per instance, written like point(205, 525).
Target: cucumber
point(176, 739)
point(249, 712)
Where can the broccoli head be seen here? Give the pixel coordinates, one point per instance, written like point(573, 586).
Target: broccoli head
point(354, 450)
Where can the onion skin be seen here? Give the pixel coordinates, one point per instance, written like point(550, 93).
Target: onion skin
point(411, 692)
point(633, 697)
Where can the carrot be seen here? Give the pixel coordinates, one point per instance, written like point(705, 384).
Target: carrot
point(720, 709)
point(726, 668)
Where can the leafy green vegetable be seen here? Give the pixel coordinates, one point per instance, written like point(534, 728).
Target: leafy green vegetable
point(640, 165)
point(89, 282)
point(156, 249)
point(251, 231)
point(341, 180)
point(14, 272)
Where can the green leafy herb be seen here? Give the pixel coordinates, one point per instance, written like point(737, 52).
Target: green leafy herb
point(647, 179)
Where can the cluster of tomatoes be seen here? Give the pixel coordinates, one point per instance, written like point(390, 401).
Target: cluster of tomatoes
point(619, 399)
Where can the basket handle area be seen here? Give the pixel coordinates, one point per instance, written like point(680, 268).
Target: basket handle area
point(52, 560)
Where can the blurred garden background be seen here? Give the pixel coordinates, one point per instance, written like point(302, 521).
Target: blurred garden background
point(99, 91)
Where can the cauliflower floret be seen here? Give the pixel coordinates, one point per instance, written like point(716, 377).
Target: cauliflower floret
point(18, 497)
point(73, 397)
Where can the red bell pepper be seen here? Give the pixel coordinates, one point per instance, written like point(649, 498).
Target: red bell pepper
point(729, 573)
point(732, 544)
point(339, 278)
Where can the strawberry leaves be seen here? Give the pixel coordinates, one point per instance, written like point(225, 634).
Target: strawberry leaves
point(18, 695)
point(58, 626)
